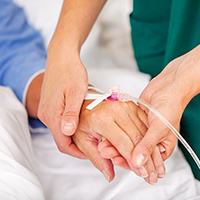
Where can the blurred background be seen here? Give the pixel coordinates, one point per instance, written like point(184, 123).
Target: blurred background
point(107, 53)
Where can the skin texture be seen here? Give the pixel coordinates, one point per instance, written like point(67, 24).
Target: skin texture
point(169, 92)
point(65, 80)
point(124, 125)
point(65, 85)
point(124, 131)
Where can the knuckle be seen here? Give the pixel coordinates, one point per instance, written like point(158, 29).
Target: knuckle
point(96, 116)
point(133, 106)
point(142, 128)
point(125, 105)
point(165, 131)
point(116, 105)
point(99, 117)
point(148, 147)
point(137, 138)
point(95, 162)
point(70, 113)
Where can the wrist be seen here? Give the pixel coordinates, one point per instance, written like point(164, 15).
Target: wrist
point(63, 50)
point(91, 90)
point(187, 87)
point(33, 95)
point(188, 74)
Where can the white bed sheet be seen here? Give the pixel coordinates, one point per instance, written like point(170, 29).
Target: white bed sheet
point(108, 57)
point(25, 162)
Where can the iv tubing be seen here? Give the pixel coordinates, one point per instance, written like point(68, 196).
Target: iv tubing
point(125, 97)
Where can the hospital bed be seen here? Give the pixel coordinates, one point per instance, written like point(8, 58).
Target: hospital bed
point(108, 56)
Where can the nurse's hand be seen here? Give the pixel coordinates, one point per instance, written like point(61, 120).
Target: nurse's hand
point(64, 88)
point(123, 124)
point(169, 93)
point(65, 81)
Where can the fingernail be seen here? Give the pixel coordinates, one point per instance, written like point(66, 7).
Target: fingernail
point(106, 175)
point(68, 127)
point(143, 172)
point(140, 160)
point(161, 172)
point(153, 178)
point(161, 148)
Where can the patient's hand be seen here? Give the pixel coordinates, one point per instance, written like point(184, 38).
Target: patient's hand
point(123, 124)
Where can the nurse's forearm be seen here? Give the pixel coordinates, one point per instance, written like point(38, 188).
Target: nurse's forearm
point(76, 20)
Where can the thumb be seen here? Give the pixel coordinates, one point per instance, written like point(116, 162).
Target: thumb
point(70, 117)
point(144, 149)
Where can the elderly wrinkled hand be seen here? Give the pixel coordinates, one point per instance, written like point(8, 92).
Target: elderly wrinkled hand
point(124, 125)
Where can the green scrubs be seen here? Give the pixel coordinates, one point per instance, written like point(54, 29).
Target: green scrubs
point(161, 31)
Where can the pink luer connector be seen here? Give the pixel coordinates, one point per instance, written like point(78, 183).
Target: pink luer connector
point(114, 90)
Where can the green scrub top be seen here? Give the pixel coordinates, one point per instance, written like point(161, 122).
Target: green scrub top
point(161, 31)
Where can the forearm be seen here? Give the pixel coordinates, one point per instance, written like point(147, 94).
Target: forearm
point(33, 96)
point(76, 20)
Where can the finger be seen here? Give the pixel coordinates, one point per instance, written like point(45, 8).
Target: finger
point(154, 167)
point(149, 169)
point(73, 101)
point(139, 117)
point(130, 123)
point(121, 162)
point(148, 172)
point(168, 145)
point(104, 144)
point(128, 126)
point(158, 162)
point(161, 148)
point(109, 152)
point(64, 143)
point(156, 132)
point(152, 178)
point(143, 116)
point(118, 139)
point(91, 151)
point(115, 133)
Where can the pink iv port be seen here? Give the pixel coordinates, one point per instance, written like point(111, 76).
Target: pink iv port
point(114, 90)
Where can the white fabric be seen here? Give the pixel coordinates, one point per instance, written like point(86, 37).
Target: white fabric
point(18, 179)
point(63, 177)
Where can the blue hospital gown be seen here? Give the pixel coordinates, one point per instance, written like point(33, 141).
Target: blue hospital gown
point(22, 52)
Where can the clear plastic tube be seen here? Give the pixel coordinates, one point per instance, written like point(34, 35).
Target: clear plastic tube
point(125, 97)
